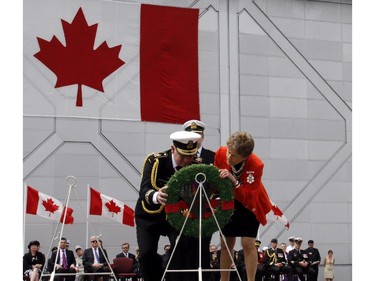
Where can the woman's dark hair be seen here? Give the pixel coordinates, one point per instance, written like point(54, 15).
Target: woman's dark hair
point(34, 242)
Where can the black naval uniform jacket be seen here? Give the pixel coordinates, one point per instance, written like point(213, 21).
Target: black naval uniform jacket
point(296, 256)
point(313, 255)
point(157, 170)
point(206, 157)
point(274, 256)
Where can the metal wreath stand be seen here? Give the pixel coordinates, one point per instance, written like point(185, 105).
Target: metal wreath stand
point(200, 178)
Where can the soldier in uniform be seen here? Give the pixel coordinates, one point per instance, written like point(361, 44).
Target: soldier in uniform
point(299, 261)
point(261, 269)
point(276, 263)
point(204, 156)
point(314, 258)
point(150, 216)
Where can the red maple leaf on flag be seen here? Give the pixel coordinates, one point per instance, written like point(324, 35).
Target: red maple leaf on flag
point(50, 206)
point(78, 62)
point(112, 207)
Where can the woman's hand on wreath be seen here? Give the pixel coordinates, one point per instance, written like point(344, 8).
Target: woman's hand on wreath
point(224, 173)
point(162, 195)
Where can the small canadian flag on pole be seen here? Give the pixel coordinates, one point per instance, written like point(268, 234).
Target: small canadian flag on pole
point(102, 205)
point(43, 205)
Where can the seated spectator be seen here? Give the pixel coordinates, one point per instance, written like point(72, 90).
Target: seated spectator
point(214, 263)
point(63, 261)
point(165, 257)
point(95, 260)
point(299, 261)
point(261, 269)
point(125, 254)
point(137, 264)
point(33, 261)
point(233, 274)
point(291, 244)
point(276, 263)
point(79, 262)
point(50, 262)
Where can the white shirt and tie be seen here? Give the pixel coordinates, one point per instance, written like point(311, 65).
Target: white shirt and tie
point(96, 255)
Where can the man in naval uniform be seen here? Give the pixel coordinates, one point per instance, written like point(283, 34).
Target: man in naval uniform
point(299, 261)
point(276, 262)
point(204, 156)
point(150, 216)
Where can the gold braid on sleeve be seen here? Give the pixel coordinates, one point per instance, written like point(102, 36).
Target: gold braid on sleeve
point(154, 174)
point(152, 211)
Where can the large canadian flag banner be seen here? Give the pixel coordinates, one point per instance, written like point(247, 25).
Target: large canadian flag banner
point(108, 59)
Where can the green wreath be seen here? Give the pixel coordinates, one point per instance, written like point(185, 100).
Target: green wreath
point(181, 190)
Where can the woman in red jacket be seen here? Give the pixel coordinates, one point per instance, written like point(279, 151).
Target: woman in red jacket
point(237, 162)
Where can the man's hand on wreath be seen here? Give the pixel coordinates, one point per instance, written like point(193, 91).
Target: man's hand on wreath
point(162, 195)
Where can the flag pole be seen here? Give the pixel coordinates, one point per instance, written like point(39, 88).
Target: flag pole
point(87, 215)
point(24, 212)
point(71, 182)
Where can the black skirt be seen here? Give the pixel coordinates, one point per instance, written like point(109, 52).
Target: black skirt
point(243, 223)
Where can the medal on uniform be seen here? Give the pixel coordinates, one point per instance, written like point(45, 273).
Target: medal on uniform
point(250, 177)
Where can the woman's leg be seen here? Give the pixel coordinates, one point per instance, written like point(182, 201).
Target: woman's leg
point(34, 275)
point(251, 257)
point(225, 260)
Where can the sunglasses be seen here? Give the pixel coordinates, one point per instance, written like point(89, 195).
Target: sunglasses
point(94, 241)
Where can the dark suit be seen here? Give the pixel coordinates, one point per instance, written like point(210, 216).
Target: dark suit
point(130, 256)
point(122, 255)
point(88, 261)
point(70, 260)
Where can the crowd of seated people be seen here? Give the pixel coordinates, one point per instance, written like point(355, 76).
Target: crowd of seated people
point(286, 263)
point(83, 265)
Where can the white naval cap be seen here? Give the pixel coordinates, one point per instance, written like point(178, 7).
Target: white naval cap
point(194, 126)
point(298, 240)
point(185, 142)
